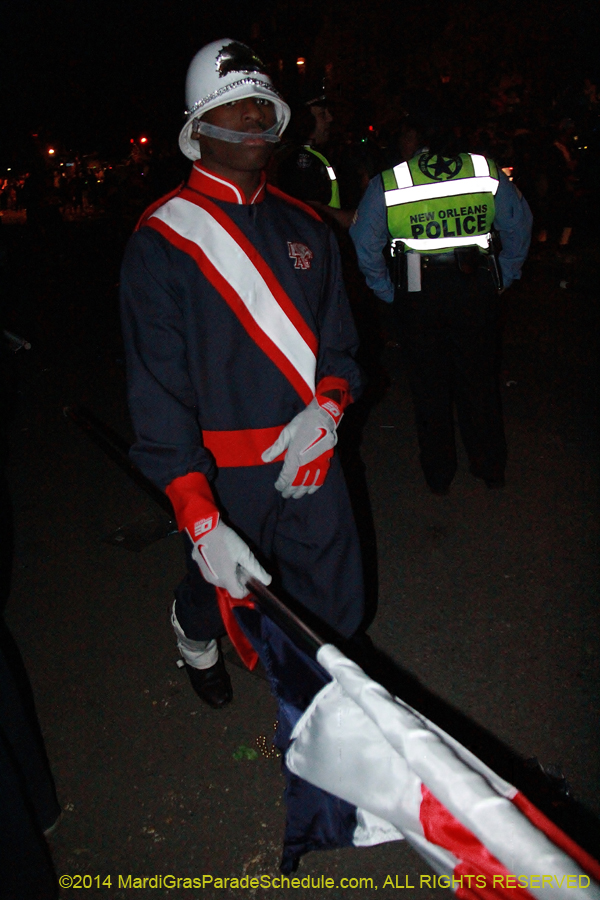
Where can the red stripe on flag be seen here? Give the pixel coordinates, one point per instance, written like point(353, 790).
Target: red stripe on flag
point(237, 306)
point(488, 877)
point(258, 262)
point(558, 837)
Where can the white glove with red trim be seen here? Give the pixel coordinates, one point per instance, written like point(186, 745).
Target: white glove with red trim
point(217, 547)
point(218, 553)
point(309, 440)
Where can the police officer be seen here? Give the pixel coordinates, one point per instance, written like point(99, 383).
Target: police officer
point(240, 354)
point(304, 169)
point(440, 210)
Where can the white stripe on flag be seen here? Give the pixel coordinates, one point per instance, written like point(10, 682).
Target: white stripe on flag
point(371, 830)
point(374, 751)
point(197, 225)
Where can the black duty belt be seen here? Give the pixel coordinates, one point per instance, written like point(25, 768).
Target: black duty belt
point(438, 259)
point(468, 260)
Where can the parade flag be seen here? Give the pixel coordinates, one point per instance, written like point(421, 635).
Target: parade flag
point(362, 767)
point(399, 769)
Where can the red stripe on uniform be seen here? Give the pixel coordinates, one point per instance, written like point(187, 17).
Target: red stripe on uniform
point(271, 189)
point(258, 262)
point(156, 205)
point(192, 500)
point(333, 383)
point(236, 305)
point(243, 447)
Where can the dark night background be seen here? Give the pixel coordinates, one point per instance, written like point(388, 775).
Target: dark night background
point(488, 600)
point(87, 76)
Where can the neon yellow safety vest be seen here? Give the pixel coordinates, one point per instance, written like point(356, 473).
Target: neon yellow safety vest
point(435, 204)
point(335, 191)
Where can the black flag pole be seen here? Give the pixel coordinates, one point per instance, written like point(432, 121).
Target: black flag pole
point(139, 533)
point(287, 620)
point(118, 449)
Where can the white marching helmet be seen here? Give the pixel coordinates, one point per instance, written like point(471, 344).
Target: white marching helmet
point(222, 71)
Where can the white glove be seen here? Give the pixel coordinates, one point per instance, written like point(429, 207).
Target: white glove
point(309, 440)
point(218, 553)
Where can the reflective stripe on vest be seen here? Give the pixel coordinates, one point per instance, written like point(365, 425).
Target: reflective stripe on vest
point(335, 190)
point(432, 216)
point(198, 227)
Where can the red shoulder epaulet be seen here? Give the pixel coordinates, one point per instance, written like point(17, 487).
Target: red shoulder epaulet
point(157, 203)
point(295, 202)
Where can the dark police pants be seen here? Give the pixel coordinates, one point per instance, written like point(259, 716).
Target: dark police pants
point(310, 547)
point(450, 336)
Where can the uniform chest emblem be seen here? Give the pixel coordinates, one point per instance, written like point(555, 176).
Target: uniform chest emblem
point(301, 254)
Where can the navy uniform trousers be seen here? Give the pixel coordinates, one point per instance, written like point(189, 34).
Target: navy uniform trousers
point(449, 333)
point(310, 547)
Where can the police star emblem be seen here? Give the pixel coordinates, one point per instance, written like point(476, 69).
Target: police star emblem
point(439, 168)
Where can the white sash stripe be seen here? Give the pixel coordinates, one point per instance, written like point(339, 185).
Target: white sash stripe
point(438, 189)
point(197, 225)
point(482, 240)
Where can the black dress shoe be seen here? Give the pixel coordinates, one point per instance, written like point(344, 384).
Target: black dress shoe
point(212, 685)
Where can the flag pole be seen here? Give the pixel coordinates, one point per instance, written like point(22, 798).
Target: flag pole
point(287, 620)
point(118, 450)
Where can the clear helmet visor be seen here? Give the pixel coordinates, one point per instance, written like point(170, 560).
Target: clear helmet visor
point(235, 137)
point(190, 146)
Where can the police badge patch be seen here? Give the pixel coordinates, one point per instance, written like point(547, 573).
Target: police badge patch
point(438, 168)
point(304, 161)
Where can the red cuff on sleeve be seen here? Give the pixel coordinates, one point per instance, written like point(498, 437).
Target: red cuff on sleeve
point(332, 383)
point(335, 408)
point(194, 505)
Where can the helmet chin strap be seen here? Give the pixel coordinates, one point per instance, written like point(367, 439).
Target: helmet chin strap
point(235, 137)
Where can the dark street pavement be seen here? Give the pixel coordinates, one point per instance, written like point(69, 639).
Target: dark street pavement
point(488, 599)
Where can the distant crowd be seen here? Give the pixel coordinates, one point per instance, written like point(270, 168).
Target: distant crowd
point(550, 153)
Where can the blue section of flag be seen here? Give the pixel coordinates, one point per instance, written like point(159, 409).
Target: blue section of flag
point(316, 820)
